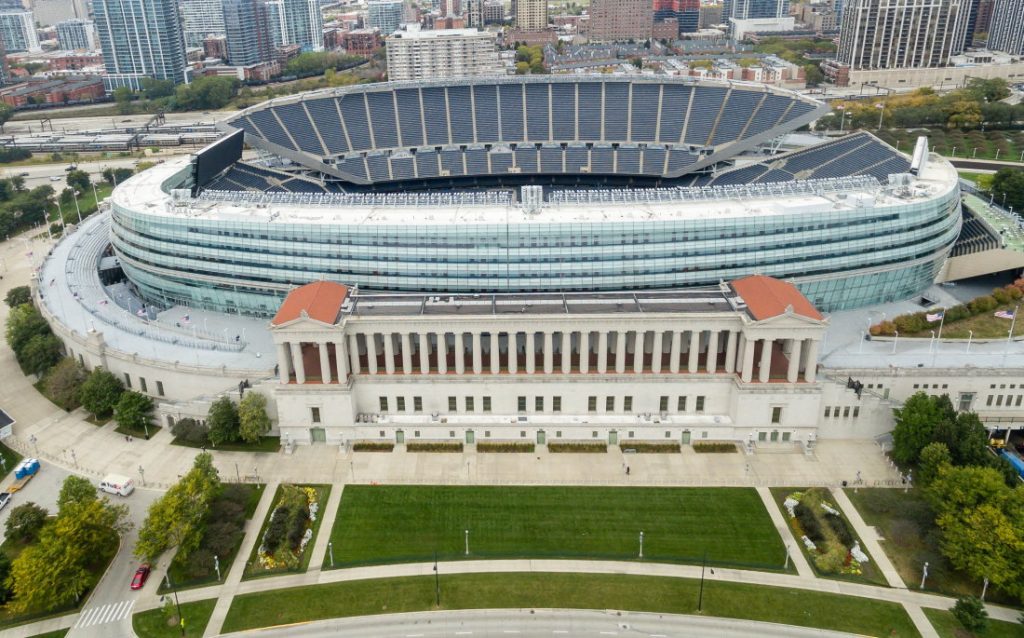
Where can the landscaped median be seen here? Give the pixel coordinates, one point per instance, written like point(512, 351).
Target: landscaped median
point(394, 524)
point(162, 622)
point(286, 538)
point(570, 591)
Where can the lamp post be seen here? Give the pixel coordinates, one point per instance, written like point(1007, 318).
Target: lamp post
point(142, 475)
point(954, 151)
point(467, 542)
point(181, 619)
point(975, 153)
point(786, 565)
point(74, 458)
point(216, 566)
point(330, 552)
point(881, 114)
point(984, 588)
point(700, 596)
point(35, 443)
point(895, 340)
point(970, 336)
point(924, 574)
point(641, 544)
point(437, 582)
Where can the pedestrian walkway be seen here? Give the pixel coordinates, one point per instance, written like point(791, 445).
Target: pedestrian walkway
point(803, 568)
point(869, 537)
point(323, 537)
point(920, 621)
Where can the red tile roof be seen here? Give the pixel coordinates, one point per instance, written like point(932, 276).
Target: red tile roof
point(767, 297)
point(320, 300)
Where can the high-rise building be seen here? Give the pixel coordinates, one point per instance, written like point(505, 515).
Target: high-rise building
point(248, 32)
point(1006, 31)
point(140, 38)
point(76, 35)
point(754, 9)
point(18, 31)
point(530, 15)
point(385, 15)
point(685, 12)
point(620, 20)
point(201, 18)
point(982, 16)
point(907, 34)
point(304, 24)
point(448, 53)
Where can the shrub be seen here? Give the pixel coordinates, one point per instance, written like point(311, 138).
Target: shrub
point(199, 564)
point(983, 304)
point(25, 522)
point(18, 295)
point(63, 383)
point(1001, 295)
point(832, 561)
point(970, 611)
point(841, 529)
point(373, 446)
point(277, 528)
point(507, 446)
point(713, 447)
point(188, 430)
point(581, 447)
point(650, 447)
point(297, 527)
point(809, 522)
point(434, 446)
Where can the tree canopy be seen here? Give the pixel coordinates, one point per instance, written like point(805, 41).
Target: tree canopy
point(176, 519)
point(1008, 187)
point(100, 392)
point(222, 421)
point(134, 411)
point(253, 421)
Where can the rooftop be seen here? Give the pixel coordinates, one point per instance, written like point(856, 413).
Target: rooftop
point(767, 297)
point(321, 300)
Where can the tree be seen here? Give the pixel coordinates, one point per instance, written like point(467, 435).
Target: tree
point(1008, 187)
point(18, 295)
point(40, 354)
point(25, 521)
point(191, 431)
point(253, 421)
point(75, 491)
point(222, 420)
point(79, 180)
point(176, 519)
point(916, 422)
point(934, 457)
point(970, 611)
point(123, 96)
point(116, 175)
point(134, 411)
point(153, 89)
point(100, 392)
point(23, 323)
point(64, 382)
point(6, 113)
point(5, 574)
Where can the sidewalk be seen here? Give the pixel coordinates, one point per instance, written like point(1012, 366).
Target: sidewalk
point(803, 568)
point(869, 537)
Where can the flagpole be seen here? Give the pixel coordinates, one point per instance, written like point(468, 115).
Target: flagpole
point(1013, 322)
point(942, 320)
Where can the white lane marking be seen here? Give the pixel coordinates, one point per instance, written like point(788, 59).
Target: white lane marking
point(609, 633)
point(83, 616)
point(559, 631)
point(511, 631)
point(463, 633)
point(127, 610)
point(658, 636)
point(413, 635)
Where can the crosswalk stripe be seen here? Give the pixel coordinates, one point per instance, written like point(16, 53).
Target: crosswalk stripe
point(105, 613)
point(109, 615)
point(83, 616)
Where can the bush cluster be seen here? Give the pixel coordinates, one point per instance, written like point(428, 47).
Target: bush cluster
point(288, 522)
point(434, 446)
point(580, 448)
point(808, 522)
point(714, 447)
point(223, 534)
point(915, 322)
point(373, 446)
point(188, 430)
point(506, 446)
point(651, 447)
point(841, 529)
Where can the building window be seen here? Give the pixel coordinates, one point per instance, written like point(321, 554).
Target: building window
point(558, 434)
point(400, 404)
point(591, 404)
point(487, 404)
point(846, 412)
point(521, 404)
point(632, 434)
point(668, 434)
point(487, 434)
point(142, 384)
point(416, 434)
point(785, 437)
point(470, 404)
point(663, 404)
point(700, 404)
point(828, 411)
point(451, 434)
point(999, 401)
point(681, 404)
point(417, 404)
point(127, 380)
point(383, 403)
point(382, 434)
point(556, 404)
point(160, 388)
point(776, 415)
point(1019, 397)
point(917, 385)
point(538, 404)
point(762, 436)
point(627, 404)
point(314, 415)
point(453, 405)
point(522, 434)
point(704, 434)
point(988, 401)
point(856, 411)
point(609, 404)
point(593, 434)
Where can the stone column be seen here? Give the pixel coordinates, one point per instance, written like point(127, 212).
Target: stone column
point(460, 353)
point(712, 361)
point(389, 352)
point(424, 353)
point(341, 359)
point(566, 352)
point(513, 365)
point(478, 355)
point(584, 351)
point(674, 349)
point(371, 352)
point(620, 351)
point(325, 363)
point(748, 360)
point(694, 351)
point(284, 363)
point(656, 348)
point(353, 353)
point(297, 364)
point(638, 351)
point(741, 353)
point(766, 361)
point(810, 374)
point(531, 352)
point(495, 353)
point(549, 352)
point(730, 353)
point(406, 353)
point(602, 352)
point(793, 371)
point(442, 353)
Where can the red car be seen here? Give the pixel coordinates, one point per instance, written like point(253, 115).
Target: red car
point(141, 574)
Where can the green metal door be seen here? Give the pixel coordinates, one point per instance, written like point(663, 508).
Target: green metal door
point(470, 437)
point(613, 438)
point(775, 436)
point(686, 437)
point(541, 437)
point(399, 437)
point(318, 435)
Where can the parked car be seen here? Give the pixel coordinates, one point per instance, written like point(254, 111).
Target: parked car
point(141, 574)
point(5, 498)
point(55, 178)
point(23, 174)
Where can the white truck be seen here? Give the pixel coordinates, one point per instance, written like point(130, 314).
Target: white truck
point(117, 484)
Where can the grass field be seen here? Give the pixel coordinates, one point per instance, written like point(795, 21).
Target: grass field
point(59, 633)
point(572, 591)
point(948, 626)
point(991, 145)
point(388, 524)
point(153, 623)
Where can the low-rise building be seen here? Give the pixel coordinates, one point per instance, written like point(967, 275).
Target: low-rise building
point(414, 54)
point(57, 91)
point(361, 42)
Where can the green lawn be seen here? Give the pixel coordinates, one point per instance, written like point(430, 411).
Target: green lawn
point(869, 571)
point(153, 623)
point(138, 434)
point(391, 524)
point(910, 537)
point(60, 633)
point(948, 626)
point(253, 570)
point(10, 457)
point(573, 591)
point(961, 144)
point(269, 444)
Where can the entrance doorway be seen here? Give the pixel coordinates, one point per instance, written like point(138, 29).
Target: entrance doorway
point(399, 437)
point(686, 437)
point(470, 437)
point(541, 437)
point(318, 435)
point(613, 438)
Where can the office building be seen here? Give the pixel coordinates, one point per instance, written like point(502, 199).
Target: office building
point(751, 9)
point(303, 24)
point(249, 40)
point(888, 34)
point(76, 35)
point(686, 13)
point(620, 20)
point(1006, 31)
point(140, 38)
point(18, 31)
point(201, 18)
point(530, 15)
point(385, 15)
point(414, 54)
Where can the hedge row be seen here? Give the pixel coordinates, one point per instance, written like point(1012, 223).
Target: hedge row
point(709, 447)
point(373, 446)
point(915, 322)
point(650, 447)
point(579, 448)
point(434, 446)
point(507, 446)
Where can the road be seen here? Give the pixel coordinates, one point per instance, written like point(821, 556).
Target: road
point(529, 623)
point(41, 490)
point(40, 174)
point(24, 127)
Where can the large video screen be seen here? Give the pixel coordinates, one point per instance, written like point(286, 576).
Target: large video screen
point(216, 157)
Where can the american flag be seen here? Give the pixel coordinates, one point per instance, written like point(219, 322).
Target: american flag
point(184, 319)
point(1005, 314)
point(103, 302)
point(140, 312)
point(936, 317)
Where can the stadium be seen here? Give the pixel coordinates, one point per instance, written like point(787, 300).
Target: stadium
point(533, 184)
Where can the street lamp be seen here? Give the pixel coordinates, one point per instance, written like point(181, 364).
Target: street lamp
point(924, 574)
point(467, 542)
point(74, 458)
point(700, 596)
point(142, 475)
point(330, 552)
point(437, 581)
point(786, 565)
point(641, 544)
point(970, 336)
point(975, 153)
point(895, 340)
point(181, 619)
point(216, 565)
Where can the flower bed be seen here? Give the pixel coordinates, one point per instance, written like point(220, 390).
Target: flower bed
point(434, 446)
point(373, 446)
point(714, 447)
point(288, 530)
point(505, 446)
point(824, 532)
point(577, 448)
point(650, 447)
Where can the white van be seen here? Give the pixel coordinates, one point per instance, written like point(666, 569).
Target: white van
point(117, 484)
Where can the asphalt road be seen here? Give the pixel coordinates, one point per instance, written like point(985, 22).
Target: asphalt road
point(76, 124)
point(538, 623)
